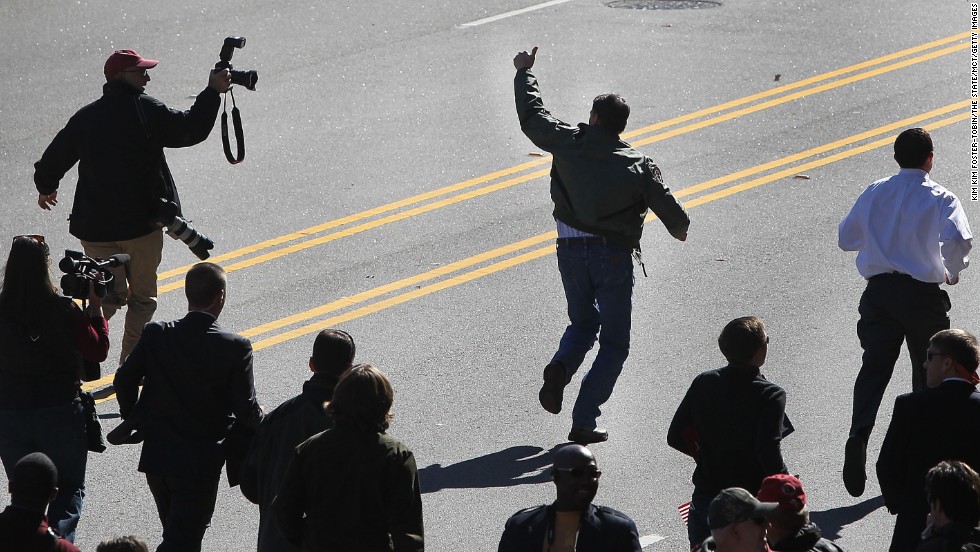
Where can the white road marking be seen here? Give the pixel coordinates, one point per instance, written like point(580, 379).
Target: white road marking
point(512, 13)
point(650, 539)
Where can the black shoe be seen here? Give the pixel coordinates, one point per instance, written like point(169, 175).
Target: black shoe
point(551, 392)
point(584, 436)
point(855, 457)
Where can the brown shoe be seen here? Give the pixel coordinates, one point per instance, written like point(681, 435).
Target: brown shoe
point(553, 389)
point(584, 436)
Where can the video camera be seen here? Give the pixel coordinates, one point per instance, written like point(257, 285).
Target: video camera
point(244, 78)
point(168, 215)
point(80, 270)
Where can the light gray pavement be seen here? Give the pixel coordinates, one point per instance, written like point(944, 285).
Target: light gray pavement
point(363, 105)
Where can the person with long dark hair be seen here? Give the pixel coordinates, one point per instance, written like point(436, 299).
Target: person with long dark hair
point(44, 338)
point(353, 487)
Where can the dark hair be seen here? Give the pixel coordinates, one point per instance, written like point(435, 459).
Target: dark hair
point(613, 111)
point(960, 345)
point(912, 148)
point(33, 479)
point(742, 338)
point(203, 284)
point(26, 281)
point(957, 487)
point(122, 544)
point(333, 352)
point(362, 399)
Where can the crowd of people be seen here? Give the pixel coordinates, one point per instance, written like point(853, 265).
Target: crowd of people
point(322, 468)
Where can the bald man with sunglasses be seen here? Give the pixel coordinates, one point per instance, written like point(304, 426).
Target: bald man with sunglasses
point(572, 522)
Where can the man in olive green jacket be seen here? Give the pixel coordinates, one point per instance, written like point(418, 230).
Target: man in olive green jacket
point(602, 189)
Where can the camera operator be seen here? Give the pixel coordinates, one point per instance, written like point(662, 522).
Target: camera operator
point(43, 339)
point(118, 143)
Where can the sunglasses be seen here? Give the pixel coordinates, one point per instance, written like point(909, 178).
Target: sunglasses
point(140, 71)
point(581, 473)
point(38, 238)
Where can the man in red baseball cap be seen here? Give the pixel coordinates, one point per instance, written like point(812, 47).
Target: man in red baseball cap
point(790, 528)
point(117, 142)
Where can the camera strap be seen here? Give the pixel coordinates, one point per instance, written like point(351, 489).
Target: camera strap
point(236, 117)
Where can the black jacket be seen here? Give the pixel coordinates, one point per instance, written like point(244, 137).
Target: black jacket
point(353, 490)
point(602, 529)
point(118, 143)
point(737, 418)
point(196, 377)
point(280, 432)
point(941, 423)
point(952, 537)
point(807, 539)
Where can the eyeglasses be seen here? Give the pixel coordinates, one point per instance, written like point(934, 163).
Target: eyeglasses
point(581, 473)
point(930, 354)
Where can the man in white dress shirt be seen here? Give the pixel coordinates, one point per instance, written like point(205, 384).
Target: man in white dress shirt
point(911, 235)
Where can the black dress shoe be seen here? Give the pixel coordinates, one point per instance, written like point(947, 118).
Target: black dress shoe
point(553, 389)
point(584, 436)
point(855, 458)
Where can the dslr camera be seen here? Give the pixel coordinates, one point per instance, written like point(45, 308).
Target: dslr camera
point(244, 78)
point(168, 215)
point(80, 270)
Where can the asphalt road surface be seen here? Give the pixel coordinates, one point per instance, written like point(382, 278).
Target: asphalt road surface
point(388, 191)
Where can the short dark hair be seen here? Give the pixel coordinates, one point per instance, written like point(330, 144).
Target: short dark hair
point(203, 284)
point(742, 338)
point(613, 111)
point(362, 399)
point(122, 544)
point(957, 487)
point(33, 479)
point(912, 148)
point(960, 345)
point(333, 351)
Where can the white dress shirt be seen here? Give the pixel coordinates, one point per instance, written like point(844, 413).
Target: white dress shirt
point(909, 224)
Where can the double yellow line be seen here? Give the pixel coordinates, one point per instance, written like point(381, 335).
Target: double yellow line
point(788, 167)
point(396, 211)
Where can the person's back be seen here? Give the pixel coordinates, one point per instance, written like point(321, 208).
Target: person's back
point(23, 524)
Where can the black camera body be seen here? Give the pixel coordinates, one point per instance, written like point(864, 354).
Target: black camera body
point(80, 270)
point(168, 215)
point(243, 78)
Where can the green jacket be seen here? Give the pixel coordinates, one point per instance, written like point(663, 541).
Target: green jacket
point(599, 183)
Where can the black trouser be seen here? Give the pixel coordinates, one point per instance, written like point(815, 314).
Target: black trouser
point(185, 506)
point(894, 308)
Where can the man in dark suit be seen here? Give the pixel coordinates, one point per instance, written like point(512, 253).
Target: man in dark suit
point(571, 522)
point(197, 381)
point(938, 423)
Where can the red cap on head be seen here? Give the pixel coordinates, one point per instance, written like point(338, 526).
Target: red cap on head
point(784, 489)
point(125, 59)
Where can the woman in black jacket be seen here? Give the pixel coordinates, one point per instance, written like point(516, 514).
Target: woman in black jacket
point(43, 339)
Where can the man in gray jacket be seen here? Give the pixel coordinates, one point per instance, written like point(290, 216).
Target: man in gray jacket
point(602, 189)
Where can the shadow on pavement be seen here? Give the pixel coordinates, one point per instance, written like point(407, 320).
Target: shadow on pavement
point(833, 520)
point(518, 465)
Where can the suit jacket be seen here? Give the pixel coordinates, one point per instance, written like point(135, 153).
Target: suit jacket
point(927, 427)
point(602, 529)
point(197, 380)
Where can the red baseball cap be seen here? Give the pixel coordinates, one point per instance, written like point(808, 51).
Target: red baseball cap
point(124, 59)
point(784, 489)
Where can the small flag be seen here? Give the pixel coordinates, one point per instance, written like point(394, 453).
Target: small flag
point(684, 510)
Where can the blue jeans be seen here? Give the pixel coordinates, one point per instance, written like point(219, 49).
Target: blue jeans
point(58, 432)
point(598, 282)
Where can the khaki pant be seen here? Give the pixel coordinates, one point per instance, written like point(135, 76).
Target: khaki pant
point(135, 282)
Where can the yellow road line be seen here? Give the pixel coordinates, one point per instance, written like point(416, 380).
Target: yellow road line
point(529, 242)
point(549, 236)
point(547, 250)
point(531, 164)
